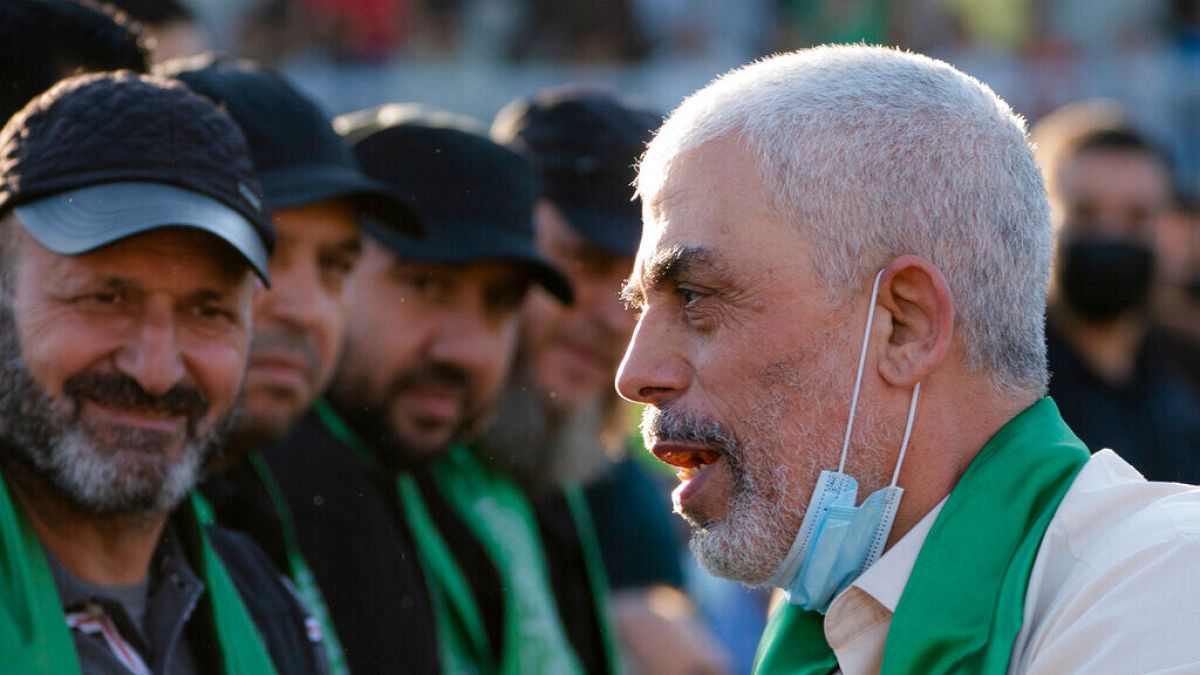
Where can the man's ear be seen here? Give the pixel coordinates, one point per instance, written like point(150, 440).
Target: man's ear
point(920, 309)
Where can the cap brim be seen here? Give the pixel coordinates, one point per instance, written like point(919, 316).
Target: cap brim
point(78, 221)
point(474, 243)
point(617, 233)
point(307, 184)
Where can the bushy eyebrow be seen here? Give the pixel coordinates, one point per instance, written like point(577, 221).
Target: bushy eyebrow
point(666, 267)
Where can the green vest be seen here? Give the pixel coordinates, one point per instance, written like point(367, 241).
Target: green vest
point(964, 602)
point(34, 637)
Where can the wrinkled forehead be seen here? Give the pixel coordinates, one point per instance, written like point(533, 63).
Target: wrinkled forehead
point(711, 198)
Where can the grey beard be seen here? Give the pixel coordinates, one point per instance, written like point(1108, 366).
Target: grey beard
point(539, 451)
point(48, 437)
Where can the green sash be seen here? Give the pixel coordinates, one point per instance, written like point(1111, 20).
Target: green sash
point(964, 603)
point(298, 570)
point(34, 637)
point(502, 520)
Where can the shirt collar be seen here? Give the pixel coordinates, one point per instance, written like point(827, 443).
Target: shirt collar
point(885, 580)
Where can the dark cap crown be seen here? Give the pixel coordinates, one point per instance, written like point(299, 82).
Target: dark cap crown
point(120, 127)
point(283, 127)
point(585, 145)
point(474, 196)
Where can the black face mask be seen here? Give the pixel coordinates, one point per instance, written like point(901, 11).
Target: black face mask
point(1101, 279)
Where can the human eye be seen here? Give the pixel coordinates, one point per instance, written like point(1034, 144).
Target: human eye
point(335, 267)
point(212, 311)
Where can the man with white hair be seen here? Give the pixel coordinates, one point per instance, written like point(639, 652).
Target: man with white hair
point(842, 282)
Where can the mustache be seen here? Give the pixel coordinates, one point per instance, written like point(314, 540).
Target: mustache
point(290, 340)
point(673, 424)
point(120, 390)
point(432, 374)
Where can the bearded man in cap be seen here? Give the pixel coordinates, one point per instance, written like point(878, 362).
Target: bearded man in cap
point(842, 282)
point(444, 568)
point(560, 421)
point(316, 195)
point(133, 230)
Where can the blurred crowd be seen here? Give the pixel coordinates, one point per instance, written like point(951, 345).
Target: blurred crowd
point(1122, 170)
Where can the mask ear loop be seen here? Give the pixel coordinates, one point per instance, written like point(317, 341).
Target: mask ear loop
point(862, 361)
point(908, 427)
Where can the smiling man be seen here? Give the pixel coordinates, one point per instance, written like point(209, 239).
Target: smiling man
point(842, 283)
point(132, 233)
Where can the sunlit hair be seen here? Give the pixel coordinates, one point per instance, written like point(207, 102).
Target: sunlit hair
point(876, 153)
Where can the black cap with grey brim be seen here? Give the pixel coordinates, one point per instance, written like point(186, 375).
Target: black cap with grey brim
point(102, 157)
point(300, 159)
point(78, 221)
point(475, 197)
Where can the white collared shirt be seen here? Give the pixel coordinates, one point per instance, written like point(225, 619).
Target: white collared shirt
point(1115, 587)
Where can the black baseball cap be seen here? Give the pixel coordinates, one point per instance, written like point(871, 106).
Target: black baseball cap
point(585, 144)
point(474, 196)
point(102, 157)
point(299, 157)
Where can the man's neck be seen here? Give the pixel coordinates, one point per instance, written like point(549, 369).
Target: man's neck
point(1109, 349)
point(105, 550)
point(955, 429)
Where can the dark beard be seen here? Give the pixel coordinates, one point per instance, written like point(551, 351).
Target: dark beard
point(543, 451)
point(48, 438)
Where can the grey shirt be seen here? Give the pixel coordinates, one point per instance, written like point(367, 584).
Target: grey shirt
point(150, 616)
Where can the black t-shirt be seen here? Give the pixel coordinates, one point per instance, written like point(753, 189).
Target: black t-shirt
point(1152, 421)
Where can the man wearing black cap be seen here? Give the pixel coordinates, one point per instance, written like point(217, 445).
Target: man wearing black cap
point(377, 478)
point(133, 229)
point(560, 420)
point(316, 194)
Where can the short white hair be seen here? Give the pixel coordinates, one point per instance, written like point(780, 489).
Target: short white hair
point(876, 153)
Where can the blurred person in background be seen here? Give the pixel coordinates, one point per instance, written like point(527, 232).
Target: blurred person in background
point(429, 560)
point(44, 41)
point(560, 422)
point(169, 26)
point(1177, 295)
point(317, 195)
point(1110, 192)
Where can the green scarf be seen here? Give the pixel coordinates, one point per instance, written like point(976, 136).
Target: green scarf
point(502, 520)
point(298, 569)
point(964, 603)
point(34, 637)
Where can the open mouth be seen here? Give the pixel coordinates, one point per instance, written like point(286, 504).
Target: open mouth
point(689, 459)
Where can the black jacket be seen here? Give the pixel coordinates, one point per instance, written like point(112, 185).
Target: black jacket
point(360, 551)
point(276, 611)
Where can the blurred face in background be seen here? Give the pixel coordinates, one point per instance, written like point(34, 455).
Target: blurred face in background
point(300, 321)
point(1109, 208)
point(428, 347)
point(572, 351)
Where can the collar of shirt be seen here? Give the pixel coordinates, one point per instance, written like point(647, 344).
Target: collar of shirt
point(856, 625)
point(173, 592)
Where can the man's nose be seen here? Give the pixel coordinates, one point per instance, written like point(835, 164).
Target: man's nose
point(652, 371)
point(297, 296)
point(151, 354)
point(468, 340)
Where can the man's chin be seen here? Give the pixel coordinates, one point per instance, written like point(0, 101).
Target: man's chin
point(737, 551)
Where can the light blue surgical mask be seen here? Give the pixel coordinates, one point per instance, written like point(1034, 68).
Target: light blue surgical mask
point(837, 540)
